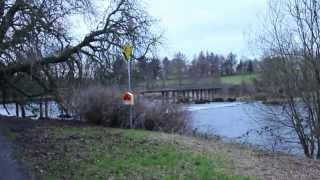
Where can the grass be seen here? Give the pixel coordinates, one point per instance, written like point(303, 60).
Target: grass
point(184, 82)
point(9, 134)
point(101, 153)
point(238, 79)
point(12, 135)
point(231, 80)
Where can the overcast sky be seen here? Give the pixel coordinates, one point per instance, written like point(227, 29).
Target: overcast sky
point(219, 26)
point(191, 26)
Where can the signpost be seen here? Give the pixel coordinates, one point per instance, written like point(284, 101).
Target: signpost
point(128, 97)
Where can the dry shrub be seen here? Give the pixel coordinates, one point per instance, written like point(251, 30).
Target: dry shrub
point(98, 105)
point(164, 117)
point(103, 106)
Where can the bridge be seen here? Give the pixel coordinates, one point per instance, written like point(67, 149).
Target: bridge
point(185, 95)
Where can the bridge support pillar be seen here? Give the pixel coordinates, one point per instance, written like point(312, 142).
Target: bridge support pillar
point(192, 96)
point(205, 94)
point(173, 97)
point(165, 97)
point(177, 96)
point(188, 96)
point(212, 95)
point(197, 95)
point(162, 97)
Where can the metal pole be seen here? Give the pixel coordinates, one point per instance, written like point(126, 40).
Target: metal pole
point(129, 82)
point(129, 74)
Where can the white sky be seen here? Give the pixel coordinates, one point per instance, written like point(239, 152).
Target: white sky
point(189, 26)
point(220, 26)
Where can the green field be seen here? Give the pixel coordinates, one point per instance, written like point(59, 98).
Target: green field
point(229, 80)
point(238, 79)
point(102, 153)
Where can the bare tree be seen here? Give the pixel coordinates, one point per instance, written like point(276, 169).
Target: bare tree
point(35, 41)
point(292, 44)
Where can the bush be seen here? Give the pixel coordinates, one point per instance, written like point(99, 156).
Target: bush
point(98, 105)
point(103, 106)
point(164, 117)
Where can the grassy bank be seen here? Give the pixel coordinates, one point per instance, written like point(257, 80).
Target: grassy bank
point(69, 150)
point(101, 153)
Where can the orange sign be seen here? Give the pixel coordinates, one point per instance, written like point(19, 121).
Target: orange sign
point(128, 98)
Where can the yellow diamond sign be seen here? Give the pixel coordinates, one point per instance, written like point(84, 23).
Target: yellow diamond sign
point(127, 51)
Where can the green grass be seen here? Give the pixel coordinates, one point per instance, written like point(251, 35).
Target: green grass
point(12, 135)
point(9, 134)
point(100, 153)
point(232, 80)
point(186, 82)
point(238, 79)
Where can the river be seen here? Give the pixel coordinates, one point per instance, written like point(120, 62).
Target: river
point(31, 110)
point(245, 123)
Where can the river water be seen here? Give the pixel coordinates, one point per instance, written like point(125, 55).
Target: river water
point(31, 110)
point(245, 123)
point(237, 121)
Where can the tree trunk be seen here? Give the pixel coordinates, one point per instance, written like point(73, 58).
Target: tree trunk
point(41, 109)
point(305, 148)
point(17, 110)
point(46, 109)
point(318, 148)
point(23, 112)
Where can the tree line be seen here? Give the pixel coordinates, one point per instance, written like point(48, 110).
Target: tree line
point(39, 56)
point(179, 67)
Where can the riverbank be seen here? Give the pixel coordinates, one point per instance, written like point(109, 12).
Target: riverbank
point(64, 150)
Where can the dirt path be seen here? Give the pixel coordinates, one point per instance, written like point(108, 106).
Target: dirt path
point(10, 169)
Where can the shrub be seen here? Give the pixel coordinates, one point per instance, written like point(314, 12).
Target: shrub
point(97, 105)
point(103, 106)
point(163, 117)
